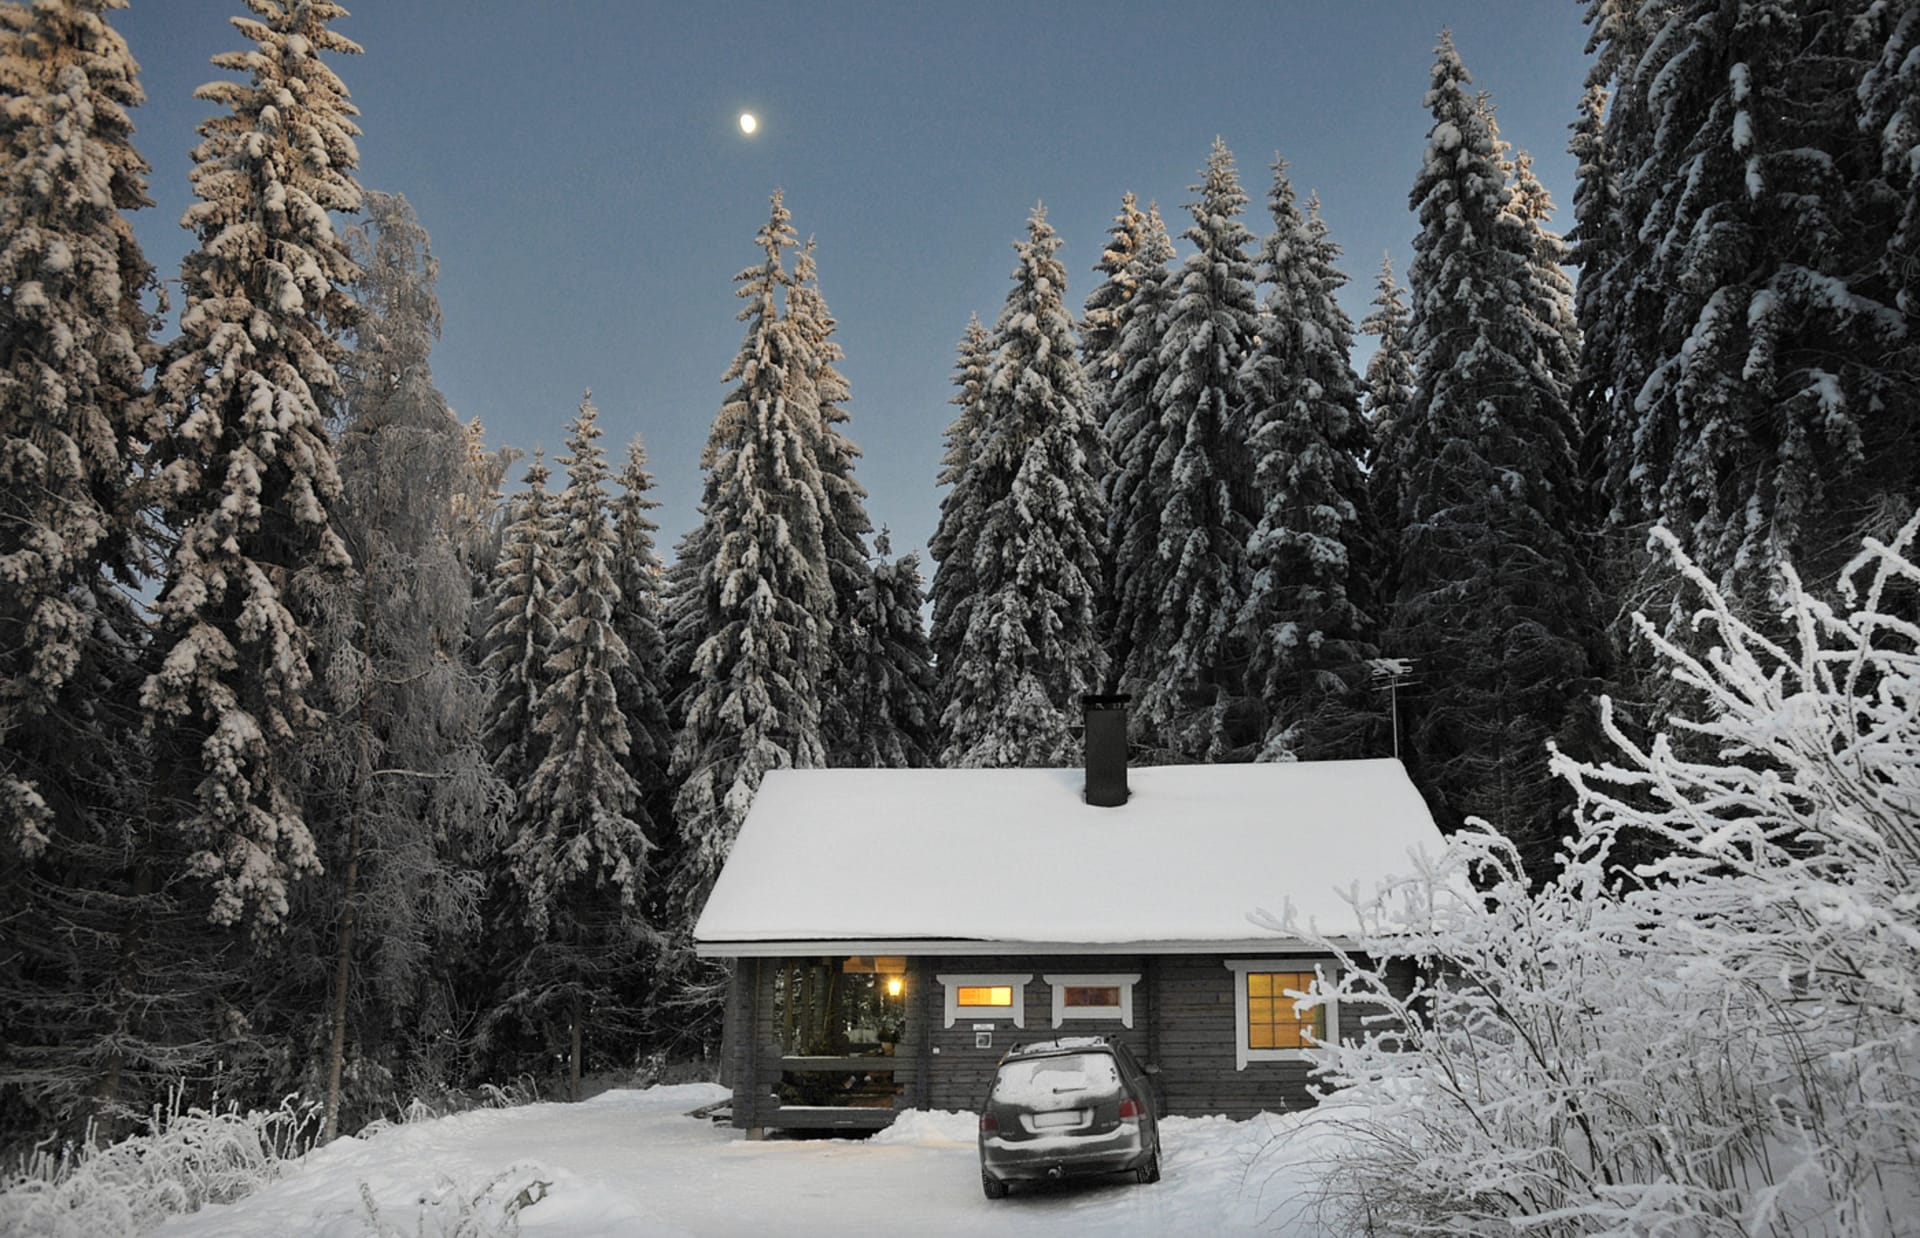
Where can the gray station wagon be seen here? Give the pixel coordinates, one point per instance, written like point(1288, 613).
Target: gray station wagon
point(1080, 1105)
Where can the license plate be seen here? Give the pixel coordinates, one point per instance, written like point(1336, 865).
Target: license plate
point(1063, 1117)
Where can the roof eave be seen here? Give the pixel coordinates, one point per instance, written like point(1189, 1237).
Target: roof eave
point(955, 946)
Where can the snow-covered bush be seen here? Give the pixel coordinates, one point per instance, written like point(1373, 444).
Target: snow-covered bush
point(187, 1158)
point(1723, 1041)
point(469, 1208)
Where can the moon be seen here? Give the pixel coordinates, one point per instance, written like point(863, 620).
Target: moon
point(748, 122)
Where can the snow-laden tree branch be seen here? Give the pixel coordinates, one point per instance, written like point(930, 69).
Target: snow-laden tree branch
point(1725, 1040)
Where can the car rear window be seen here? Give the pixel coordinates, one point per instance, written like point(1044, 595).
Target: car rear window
point(1040, 1081)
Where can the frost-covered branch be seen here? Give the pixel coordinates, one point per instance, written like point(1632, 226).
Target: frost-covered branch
point(1725, 1039)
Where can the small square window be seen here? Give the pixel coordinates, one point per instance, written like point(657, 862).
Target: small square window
point(1271, 1025)
point(1273, 1020)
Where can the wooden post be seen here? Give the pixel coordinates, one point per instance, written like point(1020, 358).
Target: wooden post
point(920, 1004)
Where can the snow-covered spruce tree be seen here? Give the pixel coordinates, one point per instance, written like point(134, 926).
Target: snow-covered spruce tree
point(819, 387)
point(1492, 601)
point(1185, 670)
point(77, 346)
point(1101, 326)
point(1889, 107)
point(1133, 432)
point(890, 675)
point(1766, 965)
point(1558, 338)
point(1593, 245)
point(951, 546)
point(1032, 647)
point(639, 621)
point(400, 779)
point(1764, 399)
point(685, 994)
point(579, 855)
point(1388, 401)
point(520, 630)
point(759, 600)
point(105, 996)
point(483, 516)
point(1304, 621)
point(245, 473)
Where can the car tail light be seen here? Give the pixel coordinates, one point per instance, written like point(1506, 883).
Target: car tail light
point(1129, 1110)
point(989, 1125)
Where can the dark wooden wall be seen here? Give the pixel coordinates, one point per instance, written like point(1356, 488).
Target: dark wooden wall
point(1183, 1022)
point(962, 1073)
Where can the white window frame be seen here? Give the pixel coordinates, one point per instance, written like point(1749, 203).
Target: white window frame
point(1124, 981)
point(1329, 968)
point(1017, 1012)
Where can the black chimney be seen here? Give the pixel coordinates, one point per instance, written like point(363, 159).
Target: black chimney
point(1106, 740)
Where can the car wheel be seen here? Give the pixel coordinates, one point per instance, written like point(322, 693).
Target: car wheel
point(1149, 1172)
point(992, 1186)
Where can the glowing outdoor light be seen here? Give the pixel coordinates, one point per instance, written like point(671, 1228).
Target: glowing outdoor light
point(893, 986)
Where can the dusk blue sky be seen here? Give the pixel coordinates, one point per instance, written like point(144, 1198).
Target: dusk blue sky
point(590, 195)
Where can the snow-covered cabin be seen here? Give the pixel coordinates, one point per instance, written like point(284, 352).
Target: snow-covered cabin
point(896, 931)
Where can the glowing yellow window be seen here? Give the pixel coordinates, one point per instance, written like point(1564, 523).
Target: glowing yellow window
point(985, 995)
point(1273, 1020)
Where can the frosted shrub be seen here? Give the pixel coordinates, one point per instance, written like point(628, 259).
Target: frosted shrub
point(468, 1208)
point(187, 1158)
point(1724, 1041)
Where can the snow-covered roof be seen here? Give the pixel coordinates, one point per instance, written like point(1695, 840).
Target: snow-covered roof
point(878, 857)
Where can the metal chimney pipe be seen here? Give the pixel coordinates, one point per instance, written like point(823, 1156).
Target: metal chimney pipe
point(1106, 742)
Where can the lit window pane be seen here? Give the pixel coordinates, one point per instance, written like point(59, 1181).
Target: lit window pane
point(1274, 1020)
point(983, 995)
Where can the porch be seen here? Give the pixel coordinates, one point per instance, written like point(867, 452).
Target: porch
point(830, 1042)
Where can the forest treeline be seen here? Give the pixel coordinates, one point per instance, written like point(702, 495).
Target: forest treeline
point(334, 761)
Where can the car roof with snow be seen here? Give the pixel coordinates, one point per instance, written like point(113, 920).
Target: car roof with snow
point(981, 861)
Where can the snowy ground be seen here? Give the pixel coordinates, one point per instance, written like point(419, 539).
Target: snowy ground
point(630, 1163)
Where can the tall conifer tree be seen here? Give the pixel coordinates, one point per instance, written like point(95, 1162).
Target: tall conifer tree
point(1100, 327)
point(1593, 245)
point(520, 629)
point(103, 990)
point(578, 823)
point(71, 388)
point(1032, 646)
point(1305, 623)
point(951, 546)
point(1763, 392)
point(247, 475)
point(759, 599)
point(1389, 400)
point(890, 675)
point(819, 386)
point(400, 777)
point(1186, 671)
point(1134, 432)
point(1491, 597)
point(579, 856)
point(640, 623)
